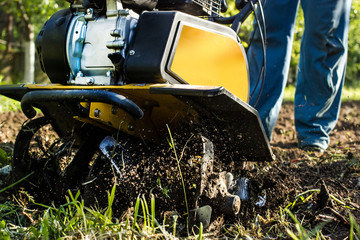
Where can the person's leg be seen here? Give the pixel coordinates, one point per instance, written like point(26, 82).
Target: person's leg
point(280, 20)
point(321, 70)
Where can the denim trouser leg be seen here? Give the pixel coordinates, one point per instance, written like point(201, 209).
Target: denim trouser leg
point(321, 70)
point(280, 19)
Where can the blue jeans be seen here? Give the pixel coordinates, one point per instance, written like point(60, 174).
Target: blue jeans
point(321, 69)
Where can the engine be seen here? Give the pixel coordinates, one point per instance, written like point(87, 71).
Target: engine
point(98, 42)
point(93, 45)
point(88, 43)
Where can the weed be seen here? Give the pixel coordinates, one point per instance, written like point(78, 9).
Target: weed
point(302, 233)
point(15, 183)
point(353, 224)
point(172, 144)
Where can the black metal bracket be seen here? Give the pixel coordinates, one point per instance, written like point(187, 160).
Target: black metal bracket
point(240, 17)
point(39, 96)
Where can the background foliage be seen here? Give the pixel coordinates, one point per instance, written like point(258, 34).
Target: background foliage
point(17, 17)
point(353, 66)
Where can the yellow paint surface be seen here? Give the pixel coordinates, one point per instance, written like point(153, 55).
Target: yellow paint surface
point(208, 58)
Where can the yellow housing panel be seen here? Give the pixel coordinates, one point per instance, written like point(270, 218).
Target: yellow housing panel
point(209, 58)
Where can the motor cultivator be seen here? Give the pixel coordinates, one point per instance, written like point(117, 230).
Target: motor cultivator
point(125, 83)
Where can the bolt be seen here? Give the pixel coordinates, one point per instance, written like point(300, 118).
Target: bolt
point(90, 81)
point(89, 11)
point(97, 113)
point(131, 127)
point(116, 44)
point(115, 33)
point(123, 12)
point(114, 110)
point(132, 52)
point(108, 73)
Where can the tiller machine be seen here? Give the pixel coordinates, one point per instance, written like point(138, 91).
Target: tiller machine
point(129, 81)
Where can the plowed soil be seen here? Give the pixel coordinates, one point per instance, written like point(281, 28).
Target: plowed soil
point(315, 187)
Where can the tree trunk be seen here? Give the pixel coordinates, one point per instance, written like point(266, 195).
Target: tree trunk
point(29, 45)
point(29, 52)
point(9, 32)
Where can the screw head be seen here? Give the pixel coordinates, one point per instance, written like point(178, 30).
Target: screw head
point(89, 11)
point(132, 52)
point(114, 110)
point(90, 81)
point(131, 127)
point(97, 113)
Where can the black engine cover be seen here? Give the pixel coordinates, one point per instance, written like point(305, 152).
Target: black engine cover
point(51, 46)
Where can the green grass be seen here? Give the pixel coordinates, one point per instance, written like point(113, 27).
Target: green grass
point(348, 94)
point(73, 220)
